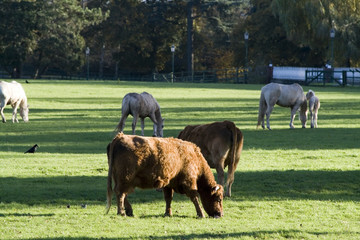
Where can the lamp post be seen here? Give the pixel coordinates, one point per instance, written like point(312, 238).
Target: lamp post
point(332, 36)
point(246, 37)
point(87, 52)
point(172, 62)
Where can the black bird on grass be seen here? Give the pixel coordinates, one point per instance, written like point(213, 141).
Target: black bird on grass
point(33, 149)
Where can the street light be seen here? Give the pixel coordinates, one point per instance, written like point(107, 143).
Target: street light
point(246, 37)
point(172, 62)
point(332, 36)
point(87, 52)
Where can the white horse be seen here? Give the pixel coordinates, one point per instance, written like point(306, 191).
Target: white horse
point(285, 96)
point(141, 105)
point(13, 94)
point(314, 105)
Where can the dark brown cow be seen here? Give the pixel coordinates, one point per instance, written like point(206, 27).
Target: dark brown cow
point(168, 163)
point(221, 144)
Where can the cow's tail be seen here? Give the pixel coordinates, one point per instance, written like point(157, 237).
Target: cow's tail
point(233, 152)
point(109, 180)
point(262, 110)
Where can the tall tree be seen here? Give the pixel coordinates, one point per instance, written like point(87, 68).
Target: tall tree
point(268, 41)
point(308, 22)
point(18, 35)
point(139, 33)
point(45, 32)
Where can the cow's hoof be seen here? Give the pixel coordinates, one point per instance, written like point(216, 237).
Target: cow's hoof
point(168, 213)
point(129, 213)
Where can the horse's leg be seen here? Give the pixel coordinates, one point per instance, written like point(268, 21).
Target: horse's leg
point(2, 106)
point(268, 113)
point(133, 125)
point(262, 110)
point(312, 116)
point(293, 113)
point(2, 114)
point(155, 127)
point(14, 116)
point(142, 126)
point(315, 118)
point(154, 130)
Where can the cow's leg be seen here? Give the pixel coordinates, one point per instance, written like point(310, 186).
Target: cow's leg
point(194, 197)
point(142, 126)
point(128, 208)
point(220, 172)
point(230, 179)
point(168, 195)
point(120, 199)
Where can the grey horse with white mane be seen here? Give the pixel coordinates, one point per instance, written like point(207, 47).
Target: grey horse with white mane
point(141, 106)
point(285, 96)
point(13, 94)
point(314, 105)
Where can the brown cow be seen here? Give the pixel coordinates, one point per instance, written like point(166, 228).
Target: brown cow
point(221, 144)
point(168, 163)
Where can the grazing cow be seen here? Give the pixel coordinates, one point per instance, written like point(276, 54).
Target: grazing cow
point(221, 144)
point(168, 163)
point(314, 105)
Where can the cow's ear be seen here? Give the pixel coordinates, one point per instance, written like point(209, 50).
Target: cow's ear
point(215, 189)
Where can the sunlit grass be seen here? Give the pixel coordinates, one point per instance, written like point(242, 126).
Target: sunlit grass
point(289, 184)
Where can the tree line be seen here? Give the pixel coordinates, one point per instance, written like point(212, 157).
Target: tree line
point(136, 36)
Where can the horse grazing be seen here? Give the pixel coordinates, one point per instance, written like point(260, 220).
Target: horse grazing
point(141, 105)
point(314, 105)
point(285, 96)
point(13, 94)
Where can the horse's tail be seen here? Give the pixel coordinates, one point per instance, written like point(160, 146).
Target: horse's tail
point(125, 110)
point(109, 179)
point(262, 109)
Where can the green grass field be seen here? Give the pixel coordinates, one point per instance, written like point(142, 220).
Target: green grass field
point(289, 184)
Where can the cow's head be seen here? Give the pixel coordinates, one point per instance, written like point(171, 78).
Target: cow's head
point(212, 201)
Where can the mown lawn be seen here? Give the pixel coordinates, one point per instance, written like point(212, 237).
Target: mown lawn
point(289, 184)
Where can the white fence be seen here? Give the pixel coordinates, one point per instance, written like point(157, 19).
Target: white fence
point(298, 74)
point(291, 73)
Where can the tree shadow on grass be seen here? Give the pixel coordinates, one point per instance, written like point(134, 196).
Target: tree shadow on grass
point(302, 185)
point(276, 234)
point(253, 186)
point(303, 139)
